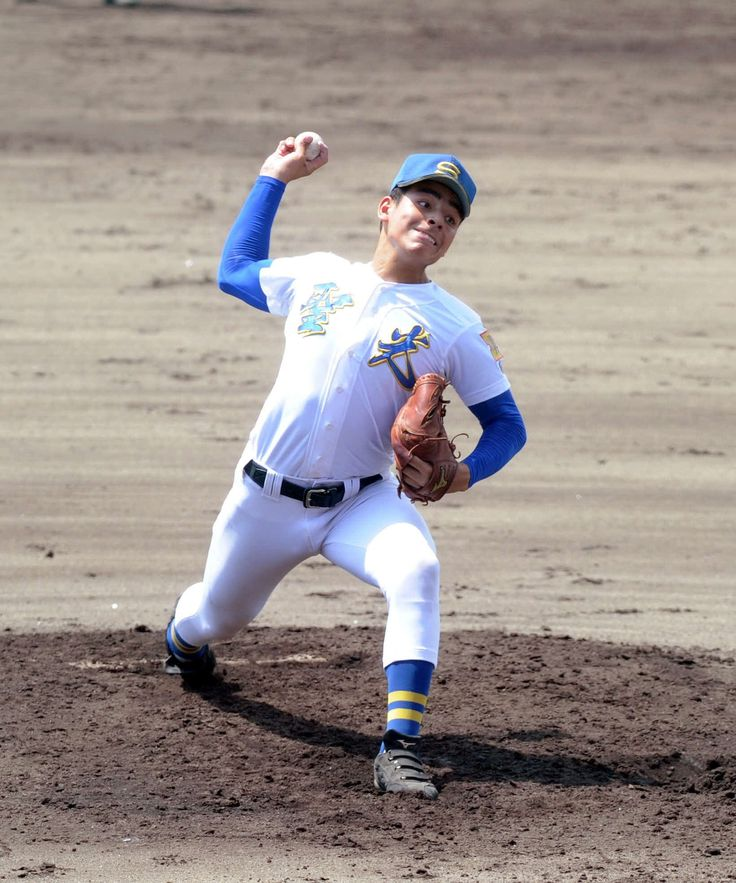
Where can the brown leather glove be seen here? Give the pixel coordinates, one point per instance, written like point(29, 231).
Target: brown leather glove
point(419, 431)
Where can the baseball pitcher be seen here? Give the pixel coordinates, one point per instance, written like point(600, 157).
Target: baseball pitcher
point(363, 342)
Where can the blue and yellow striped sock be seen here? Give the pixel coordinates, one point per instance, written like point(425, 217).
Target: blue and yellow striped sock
point(408, 692)
point(180, 649)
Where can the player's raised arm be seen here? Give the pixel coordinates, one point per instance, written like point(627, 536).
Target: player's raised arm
point(246, 250)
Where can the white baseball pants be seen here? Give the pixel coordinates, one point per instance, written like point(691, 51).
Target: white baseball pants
point(259, 536)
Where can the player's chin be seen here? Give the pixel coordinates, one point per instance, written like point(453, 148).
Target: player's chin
point(424, 255)
point(434, 257)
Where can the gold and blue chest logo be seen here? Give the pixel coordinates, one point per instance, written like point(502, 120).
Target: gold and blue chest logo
point(325, 299)
point(397, 353)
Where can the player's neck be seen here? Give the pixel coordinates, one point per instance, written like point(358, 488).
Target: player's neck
point(387, 264)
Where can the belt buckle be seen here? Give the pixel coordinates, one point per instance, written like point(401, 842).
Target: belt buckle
point(323, 494)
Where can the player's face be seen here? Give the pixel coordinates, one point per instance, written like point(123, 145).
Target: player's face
point(424, 222)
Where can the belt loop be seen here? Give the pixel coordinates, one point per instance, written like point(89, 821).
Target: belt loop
point(272, 484)
point(352, 487)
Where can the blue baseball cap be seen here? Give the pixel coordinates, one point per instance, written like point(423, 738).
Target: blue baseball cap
point(442, 167)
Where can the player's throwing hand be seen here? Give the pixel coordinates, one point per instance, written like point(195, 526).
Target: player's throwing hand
point(290, 160)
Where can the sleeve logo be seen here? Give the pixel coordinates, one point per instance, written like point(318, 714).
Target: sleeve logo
point(491, 344)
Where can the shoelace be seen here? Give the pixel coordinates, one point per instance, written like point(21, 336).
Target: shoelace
point(403, 759)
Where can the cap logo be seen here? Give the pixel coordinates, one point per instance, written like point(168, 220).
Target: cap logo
point(449, 169)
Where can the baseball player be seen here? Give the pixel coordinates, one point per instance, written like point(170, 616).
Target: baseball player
point(315, 475)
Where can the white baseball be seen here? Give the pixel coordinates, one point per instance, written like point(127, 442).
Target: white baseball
point(312, 149)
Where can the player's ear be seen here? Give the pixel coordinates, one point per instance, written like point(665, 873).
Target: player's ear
point(383, 208)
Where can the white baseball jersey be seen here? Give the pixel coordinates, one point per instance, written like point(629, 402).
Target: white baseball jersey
point(355, 345)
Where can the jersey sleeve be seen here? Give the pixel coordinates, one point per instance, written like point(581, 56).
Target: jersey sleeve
point(475, 367)
point(245, 253)
point(503, 436)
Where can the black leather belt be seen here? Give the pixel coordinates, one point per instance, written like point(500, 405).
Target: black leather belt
point(323, 497)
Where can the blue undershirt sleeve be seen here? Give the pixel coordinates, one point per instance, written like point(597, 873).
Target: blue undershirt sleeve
point(245, 252)
point(503, 436)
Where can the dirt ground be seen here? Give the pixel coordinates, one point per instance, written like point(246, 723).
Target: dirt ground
point(557, 759)
point(581, 723)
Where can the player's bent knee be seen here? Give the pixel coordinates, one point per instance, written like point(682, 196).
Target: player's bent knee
point(429, 576)
point(422, 573)
point(415, 584)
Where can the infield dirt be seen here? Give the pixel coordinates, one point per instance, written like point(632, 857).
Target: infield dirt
point(581, 724)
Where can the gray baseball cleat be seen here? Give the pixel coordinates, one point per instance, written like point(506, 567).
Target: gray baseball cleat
point(398, 769)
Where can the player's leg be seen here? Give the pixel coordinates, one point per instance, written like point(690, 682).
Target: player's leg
point(254, 544)
point(383, 540)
